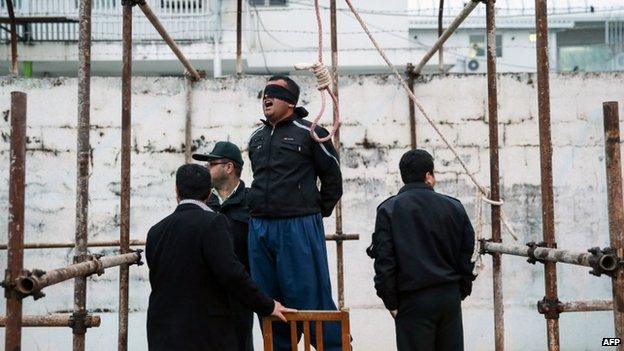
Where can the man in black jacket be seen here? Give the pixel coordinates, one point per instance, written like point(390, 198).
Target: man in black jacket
point(229, 197)
point(287, 251)
point(422, 246)
point(194, 274)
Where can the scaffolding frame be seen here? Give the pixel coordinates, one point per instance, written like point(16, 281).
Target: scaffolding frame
point(19, 283)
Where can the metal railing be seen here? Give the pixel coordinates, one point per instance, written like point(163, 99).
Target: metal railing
point(184, 19)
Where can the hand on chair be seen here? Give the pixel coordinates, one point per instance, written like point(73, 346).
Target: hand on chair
point(279, 309)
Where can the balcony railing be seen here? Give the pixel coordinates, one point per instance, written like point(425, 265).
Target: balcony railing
point(193, 20)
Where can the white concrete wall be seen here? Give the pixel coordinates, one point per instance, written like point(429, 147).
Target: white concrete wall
point(375, 134)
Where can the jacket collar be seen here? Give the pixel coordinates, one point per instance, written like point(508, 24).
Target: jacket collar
point(187, 207)
point(234, 199)
point(415, 185)
point(287, 119)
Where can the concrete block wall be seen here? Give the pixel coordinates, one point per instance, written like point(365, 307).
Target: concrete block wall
point(375, 133)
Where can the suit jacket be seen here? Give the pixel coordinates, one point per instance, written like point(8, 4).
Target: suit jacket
point(194, 275)
point(421, 239)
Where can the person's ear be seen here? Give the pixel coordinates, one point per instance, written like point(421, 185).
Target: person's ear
point(291, 105)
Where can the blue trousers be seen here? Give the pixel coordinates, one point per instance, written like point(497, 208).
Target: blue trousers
point(288, 260)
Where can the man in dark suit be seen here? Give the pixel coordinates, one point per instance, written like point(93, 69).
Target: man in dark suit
point(229, 197)
point(422, 246)
point(194, 274)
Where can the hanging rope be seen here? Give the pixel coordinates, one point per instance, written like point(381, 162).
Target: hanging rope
point(483, 190)
point(324, 79)
point(476, 254)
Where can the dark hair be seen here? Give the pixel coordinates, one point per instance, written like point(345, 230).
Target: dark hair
point(238, 169)
point(290, 84)
point(193, 182)
point(414, 165)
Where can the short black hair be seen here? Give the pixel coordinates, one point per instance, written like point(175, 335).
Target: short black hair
point(290, 84)
point(238, 169)
point(193, 182)
point(414, 165)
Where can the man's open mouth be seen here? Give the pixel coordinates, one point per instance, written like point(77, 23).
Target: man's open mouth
point(268, 103)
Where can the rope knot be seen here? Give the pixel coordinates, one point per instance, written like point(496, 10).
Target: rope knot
point(321, 72)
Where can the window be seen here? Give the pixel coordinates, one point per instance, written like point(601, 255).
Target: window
point(586, 47)
point(181, 5)
point(268, 2)
point(478, 45)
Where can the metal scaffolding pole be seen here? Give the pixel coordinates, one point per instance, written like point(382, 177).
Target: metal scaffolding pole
point(586, 306)
point(83, 156)
point(339, 232)
point(188, 123)
point(135, 242)
point(67, 245)
point(497, 274)
point(53, 320)
point(126, 146)
point(471, 5)
point(33, 282)
point(600, 261)
point(411, 78)
point(548, 209)
point(239, 35)
point(147, 10)
point(14, 65)
point(440, 31)
point(616, 216)
point(15, 254)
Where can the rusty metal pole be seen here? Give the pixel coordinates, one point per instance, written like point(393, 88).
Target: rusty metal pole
point(440, 31)
point(53, 320)
point(126, 146)
point(188, 125)
point(239, 35)
point(147, 11)
point(15, 254)
point(616, 216)
point(83, 156)
point(548, 209)
point(411, 78)
point(32, 283)
point(497, 275)
point(468, 8)
point(587, 306)
point(334, 71)
point(136, 242)
point(10, 10)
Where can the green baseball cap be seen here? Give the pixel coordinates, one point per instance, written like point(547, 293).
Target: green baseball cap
point(222, 149)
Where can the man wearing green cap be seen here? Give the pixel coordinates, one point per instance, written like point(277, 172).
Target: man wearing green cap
point(229, 197)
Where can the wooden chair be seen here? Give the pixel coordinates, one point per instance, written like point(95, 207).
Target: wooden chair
point(306, 317)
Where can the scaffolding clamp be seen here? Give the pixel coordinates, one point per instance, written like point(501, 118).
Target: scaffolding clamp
point(91, 257)
point(132, 2)
point(139, 252)
point(482, 250)
point(550, 308)
point(531, 253)
point(80, 321)
point(604, 261)
point(36, 289)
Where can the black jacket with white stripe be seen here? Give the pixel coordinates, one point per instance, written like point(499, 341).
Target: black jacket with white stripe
point(286, 163)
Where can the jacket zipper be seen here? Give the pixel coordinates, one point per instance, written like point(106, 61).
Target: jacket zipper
point(266, 193)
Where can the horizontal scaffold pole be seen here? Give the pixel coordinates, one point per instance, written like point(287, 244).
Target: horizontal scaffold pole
point(602, 261)
point(54, 320)
point(31, 283)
